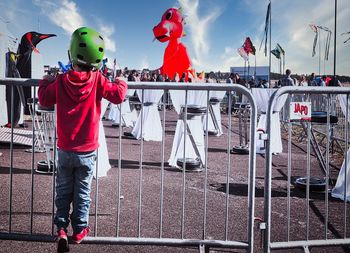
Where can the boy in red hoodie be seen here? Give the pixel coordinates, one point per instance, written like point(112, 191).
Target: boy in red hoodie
point(77, 95)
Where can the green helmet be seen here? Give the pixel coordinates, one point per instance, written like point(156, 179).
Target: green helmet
point(86, 47)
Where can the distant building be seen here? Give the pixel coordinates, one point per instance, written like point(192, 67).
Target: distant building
point(262, 72)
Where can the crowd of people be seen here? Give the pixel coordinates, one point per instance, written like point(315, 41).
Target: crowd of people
point(304, 80)
point(211, 77)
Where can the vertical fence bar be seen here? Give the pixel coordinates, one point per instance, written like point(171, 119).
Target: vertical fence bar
point(328, 106)
point(54, 174)
point(119, 170)
point(96, 192)
point(206, 167)
point(32, 165)
point(184, 171)
point(141, 160)
point(346, 160)
point(165, 92)
point(289, 175)
point(251, 176)
point(308, 168)
point(229, 165)
point(11, 161)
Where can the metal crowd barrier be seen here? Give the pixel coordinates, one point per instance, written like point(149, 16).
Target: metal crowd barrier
point(310, 217)
point(126, 196)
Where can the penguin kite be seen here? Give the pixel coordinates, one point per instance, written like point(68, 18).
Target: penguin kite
point(28, 44)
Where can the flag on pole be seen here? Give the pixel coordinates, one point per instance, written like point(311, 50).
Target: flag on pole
point(314, 28)
point(248, 46)
point(280, 49)
point(276, 52)
point(280, 54)
point(246, 49)
point(241, 51)
point(328, 40)
point(266, 30)
point(346, 33)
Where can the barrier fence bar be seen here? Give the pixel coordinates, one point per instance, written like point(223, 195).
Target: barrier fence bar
point(119, 174)
point(207, 238)
point(162, 166)
point(11, 163)
point(330, 235)
point(206, 169)
point(346, 160)
point(140, 165)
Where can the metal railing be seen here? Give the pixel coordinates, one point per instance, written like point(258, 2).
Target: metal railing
point(205, 234)
point(310, 217)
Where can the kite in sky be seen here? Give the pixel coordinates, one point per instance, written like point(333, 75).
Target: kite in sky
point(28, 44)
point(176, 59)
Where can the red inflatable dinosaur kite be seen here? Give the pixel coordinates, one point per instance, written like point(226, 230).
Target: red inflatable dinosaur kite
point(176, 59)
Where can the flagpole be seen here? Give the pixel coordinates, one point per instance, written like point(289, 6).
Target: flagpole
point(319, 53)
point(270, 46)
point(255, 69)
point(248, 78)
point(281, 65)
point(267, 189)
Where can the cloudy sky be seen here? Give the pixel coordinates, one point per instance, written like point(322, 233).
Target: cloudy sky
point(214, 28)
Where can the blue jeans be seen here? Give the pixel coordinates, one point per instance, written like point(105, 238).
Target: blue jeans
point(73, 185)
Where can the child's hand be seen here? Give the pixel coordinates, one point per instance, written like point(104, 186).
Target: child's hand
point(49, 78)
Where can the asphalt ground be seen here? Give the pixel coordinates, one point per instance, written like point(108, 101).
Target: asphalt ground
point(179, 220)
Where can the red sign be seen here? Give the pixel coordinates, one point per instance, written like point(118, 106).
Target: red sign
point(300, 110)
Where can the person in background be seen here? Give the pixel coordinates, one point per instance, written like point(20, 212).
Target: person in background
point(160, 78)
point(287, 80)
point(311, 81)
point(183, 78)
point(144, 77)
point(262, 83)
point(334, 84)
point(176, 77)
point(166, 78)
point(251, 83)
point(77, 95)
point(303, 81)
point(231, 78)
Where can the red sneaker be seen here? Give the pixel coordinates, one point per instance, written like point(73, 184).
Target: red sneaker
point(78, 237)
point(62, 241)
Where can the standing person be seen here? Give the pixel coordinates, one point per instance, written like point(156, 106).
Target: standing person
point(231, 78)
point(323, 81)
point(77, 95)
point(166, 78)
point(311, 80)
point(303, 81)
point(287, 80)
point(183, 78)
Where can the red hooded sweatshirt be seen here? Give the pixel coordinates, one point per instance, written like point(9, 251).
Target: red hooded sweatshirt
point(78, 96)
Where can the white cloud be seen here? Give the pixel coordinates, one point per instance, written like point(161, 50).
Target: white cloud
point(198, 27)
point(229, 58)
point(65, 15)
